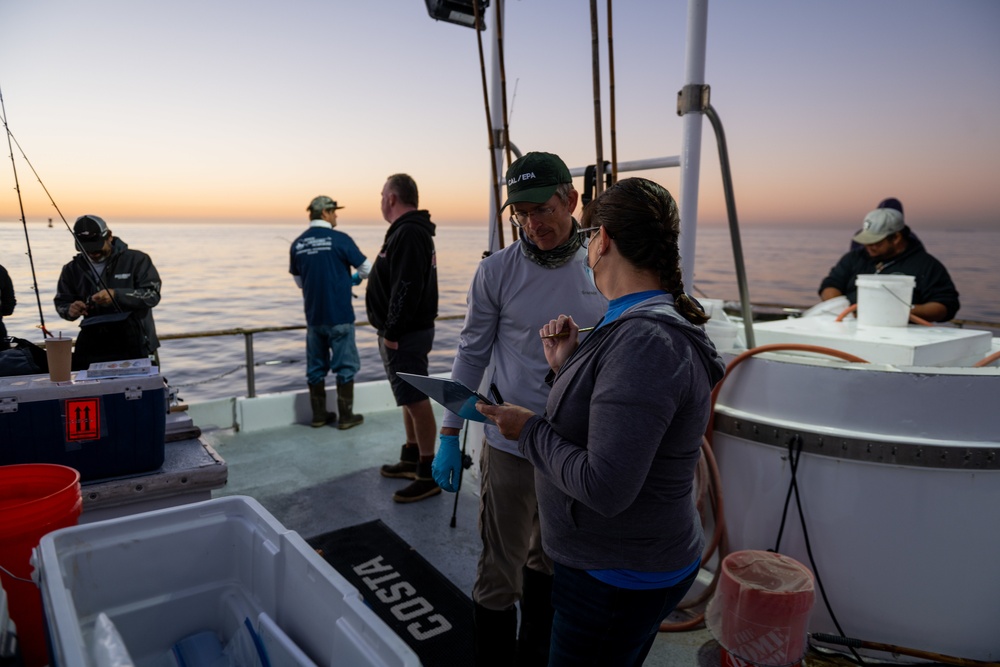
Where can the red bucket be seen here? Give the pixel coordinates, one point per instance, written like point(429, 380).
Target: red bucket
point(35, 499)
point(760, 611)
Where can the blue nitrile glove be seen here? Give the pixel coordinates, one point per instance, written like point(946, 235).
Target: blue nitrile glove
point(356, 279)
point(447, 466)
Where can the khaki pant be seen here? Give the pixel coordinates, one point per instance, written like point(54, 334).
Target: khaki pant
point(508, 526)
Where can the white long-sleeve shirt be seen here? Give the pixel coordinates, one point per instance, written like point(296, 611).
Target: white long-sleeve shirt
point(509, 300)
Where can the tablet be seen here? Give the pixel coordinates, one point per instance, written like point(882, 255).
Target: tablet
point(452, 394)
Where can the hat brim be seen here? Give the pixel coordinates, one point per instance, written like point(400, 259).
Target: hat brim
point(867, 238)
point(538, 195)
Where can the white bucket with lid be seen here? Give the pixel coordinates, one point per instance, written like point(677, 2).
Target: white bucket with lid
point(884, 300)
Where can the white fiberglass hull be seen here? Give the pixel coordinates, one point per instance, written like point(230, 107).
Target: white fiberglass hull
point(899, 483)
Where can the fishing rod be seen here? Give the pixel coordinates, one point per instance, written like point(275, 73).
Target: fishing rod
point(99, 279)
point(24, 221)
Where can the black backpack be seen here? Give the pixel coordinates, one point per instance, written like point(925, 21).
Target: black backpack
point(21, 357)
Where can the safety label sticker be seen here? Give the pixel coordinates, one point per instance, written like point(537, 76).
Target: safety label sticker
point(83, 419)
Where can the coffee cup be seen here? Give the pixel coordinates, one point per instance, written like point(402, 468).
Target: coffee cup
point(59, 352)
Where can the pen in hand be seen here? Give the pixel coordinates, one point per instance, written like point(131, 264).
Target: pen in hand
point(494, 392)
point(563, 334)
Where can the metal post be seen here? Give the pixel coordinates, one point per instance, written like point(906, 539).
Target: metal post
point(496, 115)
point(251, 381)
point(697, 30)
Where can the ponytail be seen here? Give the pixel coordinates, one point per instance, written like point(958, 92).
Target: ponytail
point(687, 307)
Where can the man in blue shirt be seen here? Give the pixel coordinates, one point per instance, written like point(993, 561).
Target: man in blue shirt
point(321, 261)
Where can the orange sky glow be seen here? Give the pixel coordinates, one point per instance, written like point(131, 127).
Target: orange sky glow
point(189, 112)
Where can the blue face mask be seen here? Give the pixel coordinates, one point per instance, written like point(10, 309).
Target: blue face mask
point(589, 270)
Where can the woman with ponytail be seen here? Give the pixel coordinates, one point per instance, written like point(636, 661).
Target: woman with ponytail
point(616, 451)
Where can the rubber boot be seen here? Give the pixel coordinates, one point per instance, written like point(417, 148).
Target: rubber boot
point(536, 619)
point(407, 466)
point(422, 486)
point(345, 404)
point(495, 636)
point(317, 399)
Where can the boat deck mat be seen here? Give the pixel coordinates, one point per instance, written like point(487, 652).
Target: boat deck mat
point(420, 604)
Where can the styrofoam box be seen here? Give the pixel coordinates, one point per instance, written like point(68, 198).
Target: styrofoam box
point(164, 575)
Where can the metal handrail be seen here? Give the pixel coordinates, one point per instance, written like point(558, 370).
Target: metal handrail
point(248, 341)
point(248, 335)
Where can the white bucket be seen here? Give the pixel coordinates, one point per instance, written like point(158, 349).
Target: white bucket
point(884, 300)
point(722, 334)
point(714, 308)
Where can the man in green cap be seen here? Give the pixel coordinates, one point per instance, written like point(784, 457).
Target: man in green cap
point(513, 293)
point(320, 261)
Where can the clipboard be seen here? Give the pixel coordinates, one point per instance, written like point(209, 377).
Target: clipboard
point(452, 394)
point(119, 316)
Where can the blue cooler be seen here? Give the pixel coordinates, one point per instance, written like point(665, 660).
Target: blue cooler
point(102, 427)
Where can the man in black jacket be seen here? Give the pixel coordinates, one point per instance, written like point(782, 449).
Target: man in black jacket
point(115, 289)
point(887, 246)
point(402, 300)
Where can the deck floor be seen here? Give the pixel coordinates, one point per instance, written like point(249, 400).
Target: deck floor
point(315, 480)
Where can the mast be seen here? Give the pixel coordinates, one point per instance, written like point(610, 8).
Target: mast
point(496, 115)
point(694, 74)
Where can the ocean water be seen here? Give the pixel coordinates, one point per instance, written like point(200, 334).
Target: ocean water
point(219, 277)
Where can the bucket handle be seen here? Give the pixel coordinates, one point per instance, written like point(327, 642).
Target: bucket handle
point(896, 296)
point(14, 576)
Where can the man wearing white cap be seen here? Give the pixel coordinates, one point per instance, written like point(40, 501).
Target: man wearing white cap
point(887, 246)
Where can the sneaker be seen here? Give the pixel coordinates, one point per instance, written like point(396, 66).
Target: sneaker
point(417, 490)
point(407, 466)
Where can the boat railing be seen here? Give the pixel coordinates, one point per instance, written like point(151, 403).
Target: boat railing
point(248, 335)
point(634, 165)
point(778, 311)
point(763, 311)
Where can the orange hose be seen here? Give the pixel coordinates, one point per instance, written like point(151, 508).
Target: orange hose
point(683, 626)
point(850, 309)
point(774, 347)
point(719, 536)
point(718, 540)
point(986, 361)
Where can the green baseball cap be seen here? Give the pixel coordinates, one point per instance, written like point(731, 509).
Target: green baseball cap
point(534, 178)
point(323, 203)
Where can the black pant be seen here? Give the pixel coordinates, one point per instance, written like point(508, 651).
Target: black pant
point(109, 341)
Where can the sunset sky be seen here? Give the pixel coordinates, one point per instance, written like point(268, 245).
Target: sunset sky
point(245, 110)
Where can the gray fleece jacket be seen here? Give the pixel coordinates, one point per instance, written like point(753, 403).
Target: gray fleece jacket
point(615, 454)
